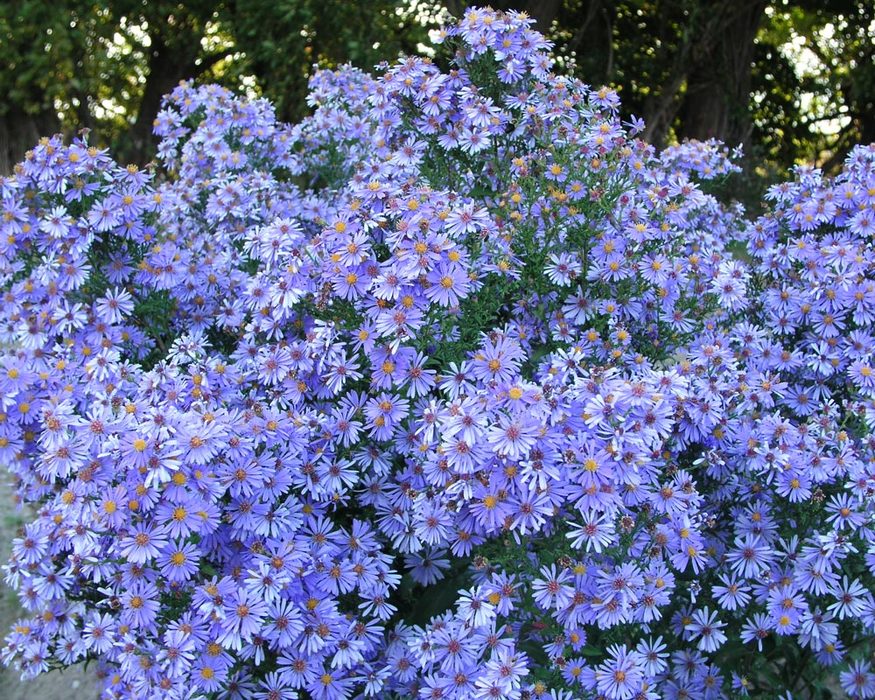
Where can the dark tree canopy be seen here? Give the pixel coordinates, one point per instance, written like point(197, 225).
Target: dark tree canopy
point(689, 68)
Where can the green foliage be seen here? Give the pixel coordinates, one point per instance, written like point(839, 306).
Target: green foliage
point(281, 40)
point(103, 66)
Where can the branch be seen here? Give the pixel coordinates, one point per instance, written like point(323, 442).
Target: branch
point(610, 28)
point(575, 41)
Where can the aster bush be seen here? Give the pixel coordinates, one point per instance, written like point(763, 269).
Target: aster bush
point(456, 389)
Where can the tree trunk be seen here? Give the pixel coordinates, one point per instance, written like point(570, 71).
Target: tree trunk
point(679, 26)
point(20, 131)
point(593, 40)
point(167, 67)
point(716, 104)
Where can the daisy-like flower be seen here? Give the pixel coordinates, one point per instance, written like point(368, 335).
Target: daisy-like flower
point(562, 269)
point(551, 589)
point(786, 606)
point(427, 567)
point(844, 512)
point(731, 593)
point(136, 449)
point(99, 633)
point(200, 440)
point(621, 676)
point(851, 599)
point(57, 222)
point(143, 544)
point(858, 681)
point(140, 605)
point(448, 284)
point(707, 629)
point(330, 685)
point(115, 305)
point(595, 533)
point(749, 556)
point(275, 686)
point(242, 616)
point(475, 608)
point(179, 563)
point(756, 629)
point(513, 436)
point(653, 655)
point(284, 623)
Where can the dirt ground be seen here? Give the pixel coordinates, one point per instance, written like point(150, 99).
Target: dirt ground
point(70, 684)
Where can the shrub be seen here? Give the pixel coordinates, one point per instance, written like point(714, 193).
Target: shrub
point(457, 389)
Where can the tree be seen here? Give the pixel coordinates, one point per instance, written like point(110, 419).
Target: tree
point(101, 66)
point(841, 36)
point(280, 41)
point(37, 52)
point(105, 66)
point(689, 68)
point(685, 66)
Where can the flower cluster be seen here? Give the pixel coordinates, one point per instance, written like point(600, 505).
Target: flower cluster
point(456, 389)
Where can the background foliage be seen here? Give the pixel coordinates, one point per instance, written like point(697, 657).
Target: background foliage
point(793, 82)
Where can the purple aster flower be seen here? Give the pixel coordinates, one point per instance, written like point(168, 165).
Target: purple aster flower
point(851, 599)
point(140, 605)
point(275, 686)
point(453, 648)
point(749, 556)
point(513, 436)
point(448, 283)
point(621, 676)
point(858, 681)
point(143, 544)
point(474, 608)
point(757, 628)
point(242, 616)
point(595, 533)
point(115, 305)
point(99, 633)
point(786, 606)
point(427, 567)
point(707, 629)
point(731, 593)
point(551, 589)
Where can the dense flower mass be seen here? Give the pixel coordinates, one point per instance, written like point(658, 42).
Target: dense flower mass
point(457, 389)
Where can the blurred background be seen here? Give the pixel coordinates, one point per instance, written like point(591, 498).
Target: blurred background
point(794, 82)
